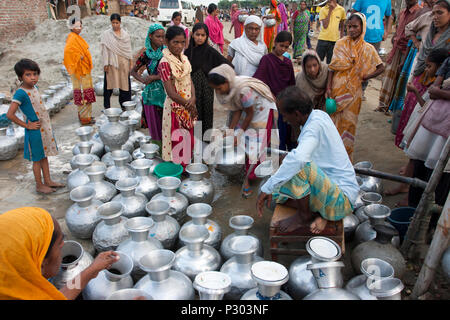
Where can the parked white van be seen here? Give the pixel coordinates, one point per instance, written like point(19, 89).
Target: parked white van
point(167, 7)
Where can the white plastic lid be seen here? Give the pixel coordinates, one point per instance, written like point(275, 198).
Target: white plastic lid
point(213, 280)
point(324, 248)
point(269, 271)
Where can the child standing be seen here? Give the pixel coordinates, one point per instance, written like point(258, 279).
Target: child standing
point(176, 21)
point(277, 72)
point(179, 111)
point(203, 58)
point(39, 140)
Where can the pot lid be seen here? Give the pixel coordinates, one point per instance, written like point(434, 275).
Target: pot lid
point(241, 245)
point(386, 287)
point(323, 249)
point(377, 211)
point(269, 271)
point(212, 280)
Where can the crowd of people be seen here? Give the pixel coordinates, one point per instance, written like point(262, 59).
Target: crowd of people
point(254, 80)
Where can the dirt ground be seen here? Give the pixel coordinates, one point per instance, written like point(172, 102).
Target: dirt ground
point(374, 142)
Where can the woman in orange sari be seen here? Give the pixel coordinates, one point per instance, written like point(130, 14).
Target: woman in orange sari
point(31, 253)
point(78, 62)
point(354, 61)
point(271, 32)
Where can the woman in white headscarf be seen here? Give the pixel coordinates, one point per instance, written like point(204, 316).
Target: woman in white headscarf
point(246, 51)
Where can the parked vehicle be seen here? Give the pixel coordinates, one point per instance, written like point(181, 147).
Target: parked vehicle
point(167, 7)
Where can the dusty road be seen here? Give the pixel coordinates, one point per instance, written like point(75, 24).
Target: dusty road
point(374, 142)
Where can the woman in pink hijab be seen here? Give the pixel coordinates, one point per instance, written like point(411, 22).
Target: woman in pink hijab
point(235, 23)
point(215, 28)
point(283, 26)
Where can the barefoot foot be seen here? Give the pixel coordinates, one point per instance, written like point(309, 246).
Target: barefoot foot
point(290, 224)
point(44, 189)
point(53, 184)
point(318, 225)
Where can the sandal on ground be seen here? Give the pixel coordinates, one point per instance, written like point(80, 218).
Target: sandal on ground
point(247, 193)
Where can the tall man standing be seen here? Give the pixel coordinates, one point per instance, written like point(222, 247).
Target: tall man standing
point(332, 18)
point(397, 56)
point(376, 30)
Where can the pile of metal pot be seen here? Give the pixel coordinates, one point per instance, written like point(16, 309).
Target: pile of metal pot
point(55, 98)
point(121, 205)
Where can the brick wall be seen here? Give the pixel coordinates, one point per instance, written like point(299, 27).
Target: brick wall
point(18, 17)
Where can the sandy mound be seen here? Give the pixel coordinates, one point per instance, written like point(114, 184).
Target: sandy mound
point(45, 45)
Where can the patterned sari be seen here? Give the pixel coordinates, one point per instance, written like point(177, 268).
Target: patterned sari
point(301, 23)
point(78, 62)
point(352, 60)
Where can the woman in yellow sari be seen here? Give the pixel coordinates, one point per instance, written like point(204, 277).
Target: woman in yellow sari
point(271, 32)
point(78, 62)
point(354, 61)
point(30, 253)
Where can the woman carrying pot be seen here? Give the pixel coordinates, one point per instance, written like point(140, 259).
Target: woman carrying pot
point(354, 61)
point(31, 253)
point(117, 62)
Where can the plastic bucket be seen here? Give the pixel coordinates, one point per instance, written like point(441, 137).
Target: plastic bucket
point(168, 169)
point(400, 218)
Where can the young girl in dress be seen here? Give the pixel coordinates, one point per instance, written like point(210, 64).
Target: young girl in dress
point(179, 108)
point(176, 21)
point(203, 58)
point(39, 140)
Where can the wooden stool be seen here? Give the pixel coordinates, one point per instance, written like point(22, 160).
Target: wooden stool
point(333, 230)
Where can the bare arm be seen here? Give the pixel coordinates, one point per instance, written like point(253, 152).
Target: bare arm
point(379, 70)
point(388, 29)
point(235, 118)
point(11, 115)
point(326, 21)
point(249, 112)
point(329, 83)
point(103, 261)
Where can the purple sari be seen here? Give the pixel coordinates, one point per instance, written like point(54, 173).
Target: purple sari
point(278, 74)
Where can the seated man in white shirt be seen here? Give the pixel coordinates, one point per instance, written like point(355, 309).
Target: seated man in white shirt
point(317, 178)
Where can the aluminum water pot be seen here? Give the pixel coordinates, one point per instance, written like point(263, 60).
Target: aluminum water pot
point(367, 198)
point(165, 228)
point(178, 202)
point(78, 177)
point(109, 233)
point(369, 184)
point(199, 212)
point(19, 134)
point(323, 249)
point(137, 154)
point(134, 133)
point(130, 106)
point(329, 280)
point(150, 151)
point(50, 103)
point(148, 184)
point(373, 269)
point(120, 170)
point(85, 133)
point(84, 147)
point(161, 282)
point(104, 190)
point(197, 188)
point(82, 217)
point(241, 225)
point(381, 247)
point(377, 213)
point(230, 160)
point(74, 260)
point(196, 257)
point(133, 202)
point(238, 267)
point(138, 243)
point(108, 159)
point(270, 276)
point(111, 280)
point(98, 88)
point(351, 222)
point(212, 285)
point(129, 294)
point(8, 146)
point(301, 280)
point(113, 133)
point(387, 289)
